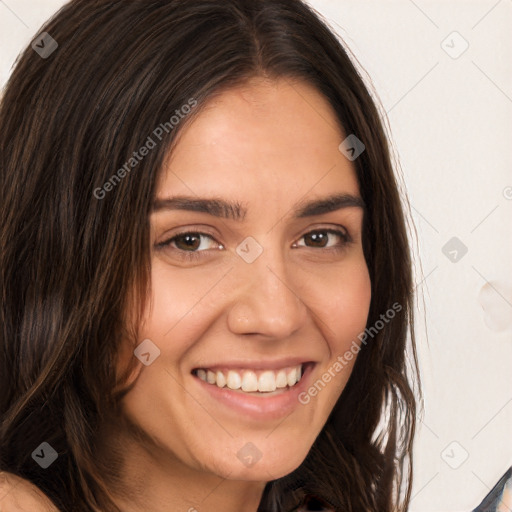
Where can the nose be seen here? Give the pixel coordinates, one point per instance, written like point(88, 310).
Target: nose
point(265, 302)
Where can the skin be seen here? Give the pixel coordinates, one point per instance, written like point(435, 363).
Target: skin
point(267, 145)
point(19, 495)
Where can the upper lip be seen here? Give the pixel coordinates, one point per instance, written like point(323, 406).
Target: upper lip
point(259, 364)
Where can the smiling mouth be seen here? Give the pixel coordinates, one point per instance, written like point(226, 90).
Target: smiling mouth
point(253, 381)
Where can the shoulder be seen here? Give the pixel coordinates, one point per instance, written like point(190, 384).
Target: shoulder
point(20, 495)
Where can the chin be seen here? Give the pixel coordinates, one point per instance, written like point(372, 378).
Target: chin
point(250, 463)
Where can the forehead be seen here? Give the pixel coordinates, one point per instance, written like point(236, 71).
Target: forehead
point(280, 132)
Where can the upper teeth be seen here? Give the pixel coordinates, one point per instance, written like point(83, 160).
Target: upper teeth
point(249, 380)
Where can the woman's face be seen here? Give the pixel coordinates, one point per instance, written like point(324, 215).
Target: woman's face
point(257, 271)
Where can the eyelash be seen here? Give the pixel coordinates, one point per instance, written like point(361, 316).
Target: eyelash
point(193, 255)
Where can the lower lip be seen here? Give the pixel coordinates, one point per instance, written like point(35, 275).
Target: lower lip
point(260, 407)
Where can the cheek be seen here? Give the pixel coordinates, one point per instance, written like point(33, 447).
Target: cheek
point(178, 298)
point(344, 301)
point(353, 304)
point(171, 317)
point(345, 316)
point(342, 298)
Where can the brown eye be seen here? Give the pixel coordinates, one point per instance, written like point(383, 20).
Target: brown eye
point(188, 241)
point(316, 239)
point(325, 238)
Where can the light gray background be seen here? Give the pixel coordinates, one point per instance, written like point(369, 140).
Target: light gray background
point(450, 123)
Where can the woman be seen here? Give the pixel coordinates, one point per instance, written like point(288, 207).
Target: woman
point(206, 282)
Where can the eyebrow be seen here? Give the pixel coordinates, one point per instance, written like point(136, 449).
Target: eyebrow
point(235, 210)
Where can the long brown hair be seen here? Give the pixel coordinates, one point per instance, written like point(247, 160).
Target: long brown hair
point(71, 256)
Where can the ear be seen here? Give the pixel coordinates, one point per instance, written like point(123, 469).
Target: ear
point(20, 495)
